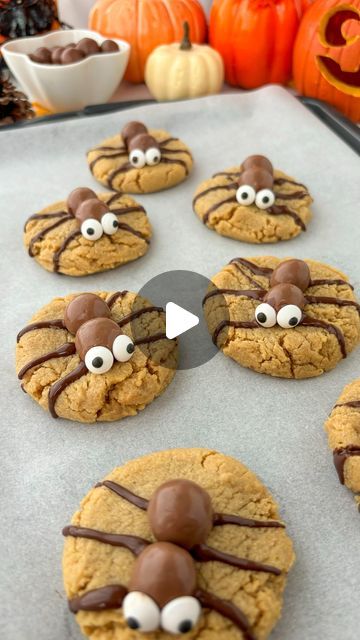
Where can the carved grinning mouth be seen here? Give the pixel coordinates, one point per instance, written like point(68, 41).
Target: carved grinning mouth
point(347, 81)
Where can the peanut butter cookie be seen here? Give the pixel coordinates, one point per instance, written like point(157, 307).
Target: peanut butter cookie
point(88, 233)
point(287, 318)
point(96, 357)
point(183, 541)
point(140, 161)
point(254, 203)
point(343, 429)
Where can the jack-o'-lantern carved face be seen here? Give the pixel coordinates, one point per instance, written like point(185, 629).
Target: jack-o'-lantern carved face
point(340, 65)
point(327, 55)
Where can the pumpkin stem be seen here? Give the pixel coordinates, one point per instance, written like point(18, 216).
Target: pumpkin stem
point(185, 43)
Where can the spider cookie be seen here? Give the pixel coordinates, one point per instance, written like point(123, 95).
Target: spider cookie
point(254, 203)
point(80, 357)
point(139, 160)
point(343, 429)
point(88, 233)
point(179, 542)
point(286, 318)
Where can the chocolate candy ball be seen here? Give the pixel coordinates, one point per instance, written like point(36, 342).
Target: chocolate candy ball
point(71, 55)
point(131, 130)
point(94, 209)
point(88, 46)
point(257, 161)
point(180, 511)
point(98, 332)
point(164, 572)
point(284, 294)
point(109, 46)
point(257, 177)
point(56, 55)
point(41, 55)
point(83, 308)
point(294, 272)
point(77, 197)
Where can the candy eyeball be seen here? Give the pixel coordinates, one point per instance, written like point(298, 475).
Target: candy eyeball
point(91, 229)
point(99, 360)
point(180, 615)
point(245, 195)
point(109, 223)
point(140, 611)
point(137, 158)
point(153, 156)
point(289, 316)
point(265, 315)
point(123, 348)
point(264, 199)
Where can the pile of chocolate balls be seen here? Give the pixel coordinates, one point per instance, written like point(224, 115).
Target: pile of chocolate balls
point(72, 52)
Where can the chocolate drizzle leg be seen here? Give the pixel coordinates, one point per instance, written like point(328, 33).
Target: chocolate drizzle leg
point(46, 216)
point(63, 351)
point(115, 296)
point(41, 235)
point(59, 386)
point(229, 518)
point(44, 324)
point(226, 609)
point(63, 246)
point(331, 328)
point(124, 493)
point(353, 404)
point(110, 597)
point(341, 455)
point(133, 543)
point(203, 553)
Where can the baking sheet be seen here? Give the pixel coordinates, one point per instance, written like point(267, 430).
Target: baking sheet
point(274, 426)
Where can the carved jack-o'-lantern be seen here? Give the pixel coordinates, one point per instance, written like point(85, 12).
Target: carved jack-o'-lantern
point(327, 55)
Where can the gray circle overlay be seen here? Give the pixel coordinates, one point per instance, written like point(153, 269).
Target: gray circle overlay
point(186, 289)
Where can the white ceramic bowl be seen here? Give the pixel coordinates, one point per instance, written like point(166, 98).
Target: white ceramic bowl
point(66, 87)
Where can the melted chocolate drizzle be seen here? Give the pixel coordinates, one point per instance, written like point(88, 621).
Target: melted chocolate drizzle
point(124, 493)
point(256, 295)
point(226, 609)
point(341, 455)
point(331, 328)
point(61, 249)
point(136, 314)
point(41, 235)
point(134, 232)
point(248, 324)
point(280, 210)
point(353, 404)
point(67, 349)
point(110, 597)
point(46, 216)
point(44, 324)
point(115, 296)
point(203, 553)
point(221, 519)
point(133, 543)
point(59, 386)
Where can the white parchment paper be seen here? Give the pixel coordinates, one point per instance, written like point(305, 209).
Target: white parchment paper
point(274, 426)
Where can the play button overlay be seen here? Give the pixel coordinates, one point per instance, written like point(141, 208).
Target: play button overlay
point(178, 320)
point(180, 294)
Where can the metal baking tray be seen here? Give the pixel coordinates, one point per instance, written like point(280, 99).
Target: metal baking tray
point(274, 426)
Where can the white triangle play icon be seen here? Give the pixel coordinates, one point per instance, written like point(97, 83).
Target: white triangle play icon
point(178, 320)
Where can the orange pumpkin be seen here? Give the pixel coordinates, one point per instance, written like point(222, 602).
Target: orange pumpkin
point(255, 39)
point(146, 24)
point(327, 55)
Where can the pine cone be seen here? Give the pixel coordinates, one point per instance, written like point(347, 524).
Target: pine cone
point(14, 104)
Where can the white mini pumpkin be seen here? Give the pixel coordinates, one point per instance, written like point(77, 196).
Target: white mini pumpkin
point(184, 70)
